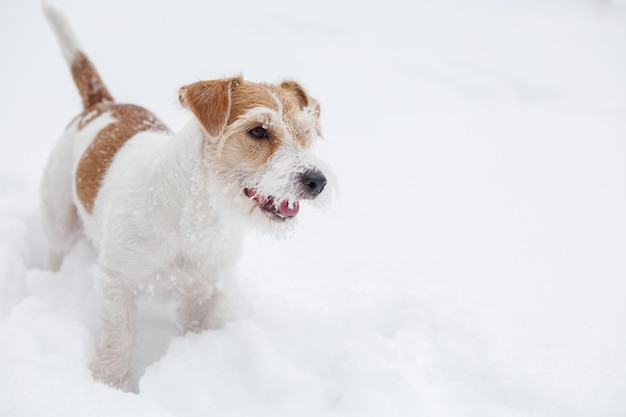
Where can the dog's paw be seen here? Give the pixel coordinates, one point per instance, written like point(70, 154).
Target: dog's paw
point(111, 372)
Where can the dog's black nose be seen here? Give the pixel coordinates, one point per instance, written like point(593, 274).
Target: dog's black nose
point(314, 182)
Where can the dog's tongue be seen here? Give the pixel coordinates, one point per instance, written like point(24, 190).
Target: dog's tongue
point(268, 204)
point(287, 210)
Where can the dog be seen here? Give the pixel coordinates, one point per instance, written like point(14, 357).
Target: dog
point(166, 213)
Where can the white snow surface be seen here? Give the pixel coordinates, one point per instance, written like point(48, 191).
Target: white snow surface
point(474, 263)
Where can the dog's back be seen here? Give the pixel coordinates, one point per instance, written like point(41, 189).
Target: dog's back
point(83, 156)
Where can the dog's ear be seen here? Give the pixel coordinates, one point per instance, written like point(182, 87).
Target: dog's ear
point(303, 98)
point(210, 102)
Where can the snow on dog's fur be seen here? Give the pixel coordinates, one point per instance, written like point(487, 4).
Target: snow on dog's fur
point(166, 213)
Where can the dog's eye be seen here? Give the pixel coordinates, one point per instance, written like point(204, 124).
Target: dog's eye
point(258, 132)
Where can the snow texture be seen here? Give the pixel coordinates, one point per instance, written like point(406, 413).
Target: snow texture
point(473, 264)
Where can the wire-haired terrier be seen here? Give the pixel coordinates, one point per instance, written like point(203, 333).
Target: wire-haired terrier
point(167, 212)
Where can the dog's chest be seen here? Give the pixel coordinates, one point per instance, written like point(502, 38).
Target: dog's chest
point(198, 264)
point(201, 252)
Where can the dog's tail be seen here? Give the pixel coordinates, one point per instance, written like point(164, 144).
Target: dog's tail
point(90, 86)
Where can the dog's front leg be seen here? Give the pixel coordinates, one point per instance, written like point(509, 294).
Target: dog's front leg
point(117, 334)
point(200, 310)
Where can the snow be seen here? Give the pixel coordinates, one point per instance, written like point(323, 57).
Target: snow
point(473, 264)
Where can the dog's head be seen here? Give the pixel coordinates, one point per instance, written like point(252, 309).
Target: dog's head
point(258, 142)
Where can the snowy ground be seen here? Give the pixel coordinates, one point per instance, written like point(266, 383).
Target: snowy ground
point(474, 265)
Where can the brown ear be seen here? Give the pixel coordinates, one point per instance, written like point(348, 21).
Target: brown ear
point(298, 90)
point(209, 101)
point(303, 99)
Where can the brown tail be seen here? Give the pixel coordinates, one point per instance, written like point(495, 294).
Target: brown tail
point(90, 86)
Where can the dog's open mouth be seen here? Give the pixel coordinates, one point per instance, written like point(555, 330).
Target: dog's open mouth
point(283, 210)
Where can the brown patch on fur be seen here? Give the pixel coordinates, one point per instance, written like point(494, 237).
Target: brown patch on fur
point(90, 86)
point(291, 95)
point(97, 158)
point(250, 95)
point(247, 96)
point(237, 150)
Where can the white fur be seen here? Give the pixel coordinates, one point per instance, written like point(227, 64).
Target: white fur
point(63, 32)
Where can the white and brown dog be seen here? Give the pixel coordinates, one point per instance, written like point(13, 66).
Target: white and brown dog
point(166, 212)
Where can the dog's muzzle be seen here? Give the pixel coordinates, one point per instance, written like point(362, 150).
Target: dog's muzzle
point(309, 183)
